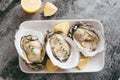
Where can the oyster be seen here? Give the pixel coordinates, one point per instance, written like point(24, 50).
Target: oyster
point(30, 46)
point(62, 51)
point(89, 40)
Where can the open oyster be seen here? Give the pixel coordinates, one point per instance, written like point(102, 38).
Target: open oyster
point(30, 46)
point(89, 40)
point(62, 51)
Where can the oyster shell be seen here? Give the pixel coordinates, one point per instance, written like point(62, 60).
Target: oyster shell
point(30, 46)
point(62, 51)
point(89, 40)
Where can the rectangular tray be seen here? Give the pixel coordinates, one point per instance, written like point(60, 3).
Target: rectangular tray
point(96, 63)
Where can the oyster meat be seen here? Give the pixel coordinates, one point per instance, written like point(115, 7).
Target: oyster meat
point(59, 47)
point(32, 48)
point(88, 39)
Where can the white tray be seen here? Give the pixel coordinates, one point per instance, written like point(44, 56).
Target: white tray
point(96, 63)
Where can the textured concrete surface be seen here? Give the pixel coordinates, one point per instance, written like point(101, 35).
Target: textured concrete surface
point(107, 11)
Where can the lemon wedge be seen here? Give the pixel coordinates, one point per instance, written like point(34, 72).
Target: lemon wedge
point(50, 67)
point(83, 62)
point(62, 27)
point(31, 6)
point(50, 9)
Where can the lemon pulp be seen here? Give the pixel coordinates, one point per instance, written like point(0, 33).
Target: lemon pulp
point(50, 9)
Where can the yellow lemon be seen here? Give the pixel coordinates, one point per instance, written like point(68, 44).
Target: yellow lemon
point(63, 27)
point(49, 9)
point(31, 6)
point(50, 67)
point(83, 62)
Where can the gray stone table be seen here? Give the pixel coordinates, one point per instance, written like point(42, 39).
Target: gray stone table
point(107, 11)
